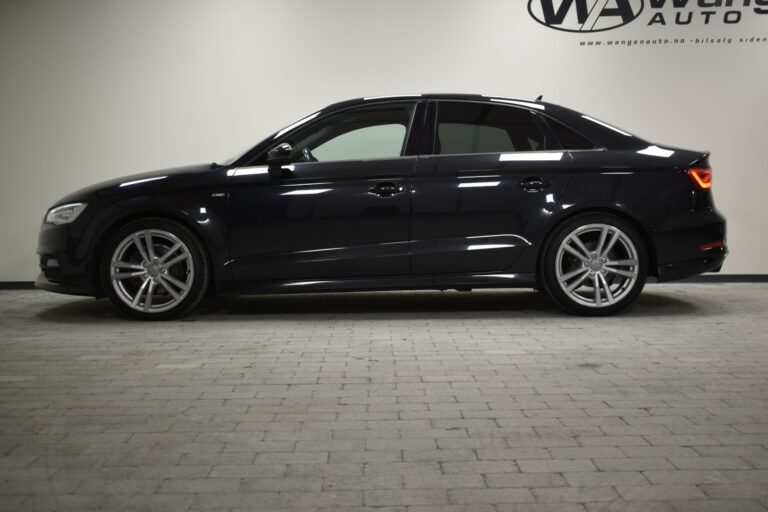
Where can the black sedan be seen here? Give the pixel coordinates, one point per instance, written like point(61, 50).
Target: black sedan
point(398, 192)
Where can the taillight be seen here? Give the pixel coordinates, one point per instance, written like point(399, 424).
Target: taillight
point(701, 176)
point(711, 245)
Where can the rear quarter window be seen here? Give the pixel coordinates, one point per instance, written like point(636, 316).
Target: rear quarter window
point(568, 138)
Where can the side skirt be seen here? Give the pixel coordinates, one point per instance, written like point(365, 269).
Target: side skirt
point(462, 282)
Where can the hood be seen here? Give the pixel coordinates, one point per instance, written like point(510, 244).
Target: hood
point(135, 183)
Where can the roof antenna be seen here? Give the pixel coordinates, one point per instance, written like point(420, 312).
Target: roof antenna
point(539, 98)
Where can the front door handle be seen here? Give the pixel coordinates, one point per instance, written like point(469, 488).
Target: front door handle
point(534, 184)
point(386, 189)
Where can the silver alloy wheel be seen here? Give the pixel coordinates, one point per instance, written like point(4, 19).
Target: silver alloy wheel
point(597, 265)
point(152, 270)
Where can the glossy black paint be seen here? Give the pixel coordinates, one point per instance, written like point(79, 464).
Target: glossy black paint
point(473, 213)
point(418, 221)
point(326, 220)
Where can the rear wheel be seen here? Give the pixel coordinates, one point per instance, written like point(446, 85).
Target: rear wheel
point(154, 269)
point(594, 264)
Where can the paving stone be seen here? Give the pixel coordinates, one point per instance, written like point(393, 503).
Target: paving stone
point(67, 503)
point(15, 502)
point(476, 507)
point(540, 507)
point(280, 484)
point(492, 496)
point(393, 402)
point(247, 470)
point(525, 480)
point(608, 440)
point(401, 468)
point(620, 505)
point(720, 506)
point(351, 457)
point(353, 482)
point(439, 455)
point(480, 467)
point(453, 481)
point(633, 464)
point(378, 498)
point(575, 494)
point(292, 457)
point(592, 452)
point(687, 476)
point(200, 485)
point(709, 463)
point(603, 478)
point(555, 466)
point(513, 454)
point(737, 490)
point(660, 492)
point(324, 469)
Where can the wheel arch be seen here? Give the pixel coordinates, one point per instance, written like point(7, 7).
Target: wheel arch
point(617, 211)
point(119, 222)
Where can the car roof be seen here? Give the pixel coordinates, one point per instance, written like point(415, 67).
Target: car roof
point(603, 133)
point(435, 96)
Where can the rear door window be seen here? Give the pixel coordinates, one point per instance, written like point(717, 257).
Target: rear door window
point(466, 128)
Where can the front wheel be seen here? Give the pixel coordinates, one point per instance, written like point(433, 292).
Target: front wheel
point(594, 264)
point(154, 269)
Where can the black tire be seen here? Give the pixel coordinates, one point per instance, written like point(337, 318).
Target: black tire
point(163, 300)
point(614, 291)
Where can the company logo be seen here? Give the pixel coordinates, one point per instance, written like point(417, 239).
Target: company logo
point(585, 15)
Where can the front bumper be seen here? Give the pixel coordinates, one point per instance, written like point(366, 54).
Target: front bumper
point(68, 288)
point(67, 263)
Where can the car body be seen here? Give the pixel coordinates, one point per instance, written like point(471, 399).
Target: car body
point(401, 192)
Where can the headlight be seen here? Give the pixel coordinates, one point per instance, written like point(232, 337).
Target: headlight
point(65, 213)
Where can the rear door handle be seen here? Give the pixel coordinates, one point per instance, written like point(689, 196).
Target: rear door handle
point(386, 189)
point(534, 184)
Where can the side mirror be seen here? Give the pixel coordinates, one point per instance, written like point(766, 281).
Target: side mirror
point(280, 155)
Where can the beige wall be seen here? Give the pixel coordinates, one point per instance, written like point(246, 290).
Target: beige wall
point(96, 89)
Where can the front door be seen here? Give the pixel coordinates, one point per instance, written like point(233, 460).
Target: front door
point(340, 210)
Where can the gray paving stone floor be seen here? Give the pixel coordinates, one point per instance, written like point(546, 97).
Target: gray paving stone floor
point(489, 401)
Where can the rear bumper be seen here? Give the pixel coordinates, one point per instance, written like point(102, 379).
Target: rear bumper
point(712, 262)
point(685, 250)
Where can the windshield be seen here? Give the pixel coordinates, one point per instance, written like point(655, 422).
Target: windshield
point(233, 159)
point(306, 119)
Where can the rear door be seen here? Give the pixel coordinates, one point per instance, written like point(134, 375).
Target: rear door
point(483, 188)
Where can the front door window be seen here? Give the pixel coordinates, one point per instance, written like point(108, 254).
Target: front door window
point(362, 134)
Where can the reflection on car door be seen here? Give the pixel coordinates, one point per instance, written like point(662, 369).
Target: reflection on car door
point(480, 197)
point(341, 210)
